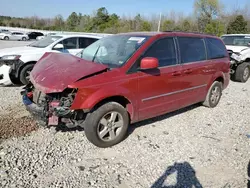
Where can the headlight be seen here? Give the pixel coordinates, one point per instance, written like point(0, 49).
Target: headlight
point(10, 57)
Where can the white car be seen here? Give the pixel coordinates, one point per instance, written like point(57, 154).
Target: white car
point(13, 36)
point(16, 63)
point(238, 46)
point(46, 35)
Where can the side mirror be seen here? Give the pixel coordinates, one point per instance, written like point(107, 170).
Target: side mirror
point(58, 46)
point(248, 44)
point(149, 63)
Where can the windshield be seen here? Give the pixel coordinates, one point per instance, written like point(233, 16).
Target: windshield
point(113, 51)
point(45, 42)
point(236, 40)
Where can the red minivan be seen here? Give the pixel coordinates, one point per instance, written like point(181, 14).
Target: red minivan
point(125, 78)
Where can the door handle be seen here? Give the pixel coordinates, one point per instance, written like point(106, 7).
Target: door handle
point(188, 71)
point(176, 73)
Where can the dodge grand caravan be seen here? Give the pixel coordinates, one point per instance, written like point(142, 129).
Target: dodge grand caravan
point(126, 78)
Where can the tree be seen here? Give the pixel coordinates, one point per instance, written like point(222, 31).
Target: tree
point(58, 22)
point(215, 28)
point(72, 21)
point(206, 11)
point(239, 25)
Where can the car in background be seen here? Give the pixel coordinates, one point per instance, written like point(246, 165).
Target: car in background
point(14, 36)
point(126, 78)
point(48, 34)
point(16, 63)
point(34, 35)
point(4, 31)
point(238, 46)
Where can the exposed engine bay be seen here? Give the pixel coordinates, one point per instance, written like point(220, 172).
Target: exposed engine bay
point(53, 109)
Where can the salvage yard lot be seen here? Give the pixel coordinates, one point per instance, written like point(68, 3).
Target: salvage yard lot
point(201, 146)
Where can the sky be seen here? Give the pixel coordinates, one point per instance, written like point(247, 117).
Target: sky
point(51, 8)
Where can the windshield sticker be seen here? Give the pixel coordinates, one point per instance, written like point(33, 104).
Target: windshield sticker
point(120, 62)
point(138, 39)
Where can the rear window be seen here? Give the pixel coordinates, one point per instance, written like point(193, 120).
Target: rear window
point(216, 49)
point(192, 49)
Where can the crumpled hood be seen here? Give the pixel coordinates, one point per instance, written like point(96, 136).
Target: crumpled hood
point(20, 50)
point(54, 72)
point(236, 49)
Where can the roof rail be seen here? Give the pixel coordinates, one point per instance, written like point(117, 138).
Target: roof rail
point(193, 32)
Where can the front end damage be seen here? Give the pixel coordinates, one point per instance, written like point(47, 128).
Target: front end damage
point(9, 70)
point(235, 60)
point(53, 109)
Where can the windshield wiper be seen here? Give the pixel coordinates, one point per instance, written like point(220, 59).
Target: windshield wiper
point(96, 53)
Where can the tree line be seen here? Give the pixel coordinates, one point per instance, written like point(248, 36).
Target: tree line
point(209, 16)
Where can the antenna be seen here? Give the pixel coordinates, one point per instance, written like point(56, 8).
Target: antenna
point(159, 24)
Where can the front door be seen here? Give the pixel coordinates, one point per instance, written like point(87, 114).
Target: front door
point(156, 88)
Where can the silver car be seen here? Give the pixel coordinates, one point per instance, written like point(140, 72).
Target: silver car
point(14, 36)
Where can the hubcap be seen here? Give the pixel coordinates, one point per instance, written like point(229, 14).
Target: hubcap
point(246, 73)
point(110, 126)
point(215, 96)
point(27, 75)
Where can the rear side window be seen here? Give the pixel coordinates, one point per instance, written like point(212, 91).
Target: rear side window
point(216, 49)
point(70, 43)
point(164, 51)
point(192, 49)
point(85, 42)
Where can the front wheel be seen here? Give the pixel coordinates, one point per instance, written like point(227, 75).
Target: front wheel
point(25, 74)
point(242, 72)
point(6, 38)
point(213, 95)
point(107, 125)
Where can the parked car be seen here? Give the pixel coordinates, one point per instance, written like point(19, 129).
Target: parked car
point(13, 36)
point(34, 35)
point(17, 62)
point(126, 78)
point(238, 46)
point(4, 31)
point(46, 35)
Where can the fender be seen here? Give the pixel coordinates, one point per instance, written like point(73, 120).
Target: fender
point(87, 98)
point(215, 76)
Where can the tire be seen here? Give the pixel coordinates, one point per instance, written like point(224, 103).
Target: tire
point(6, 38)
point(93, 127)
point(214, 95)
point(242, 73)
point(25, 72)
point(24, 39)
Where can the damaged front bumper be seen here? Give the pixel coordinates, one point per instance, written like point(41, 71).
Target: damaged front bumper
point(49, 110)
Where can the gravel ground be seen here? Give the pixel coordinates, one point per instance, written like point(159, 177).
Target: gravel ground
point(194, 146)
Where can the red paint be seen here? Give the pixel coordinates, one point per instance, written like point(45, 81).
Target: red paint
point(54, 71)
point(149, 63)
point(139, 88)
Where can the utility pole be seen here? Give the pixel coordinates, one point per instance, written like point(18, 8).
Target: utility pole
point(159, 24)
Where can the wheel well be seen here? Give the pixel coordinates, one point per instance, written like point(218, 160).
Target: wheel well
point(220, 79)
point(25, 64)
point(119, 99)
point(248, 60)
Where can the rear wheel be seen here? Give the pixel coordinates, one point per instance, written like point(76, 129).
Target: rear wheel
point(213, 95)
point(242, 72)
point(25, 74)
point(107, 125)
point(24, 39)
point(6, 38)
